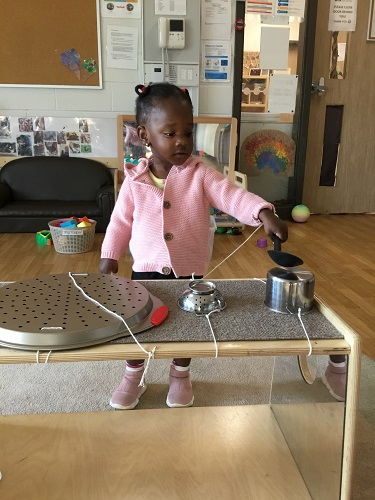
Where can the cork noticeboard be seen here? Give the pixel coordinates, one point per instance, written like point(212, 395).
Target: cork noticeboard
point(34, 35)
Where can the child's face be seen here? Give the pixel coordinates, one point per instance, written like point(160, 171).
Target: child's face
point(169, 132)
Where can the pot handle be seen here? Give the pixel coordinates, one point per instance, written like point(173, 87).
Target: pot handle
point(276, 243)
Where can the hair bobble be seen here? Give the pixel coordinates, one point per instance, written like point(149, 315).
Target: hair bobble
point(142, 90)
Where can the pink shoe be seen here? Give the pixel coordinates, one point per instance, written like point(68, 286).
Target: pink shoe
point(335, 381)
point(180, 392)
point(127, 394)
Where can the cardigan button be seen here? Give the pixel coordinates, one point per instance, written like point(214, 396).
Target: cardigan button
point(166, 270)
point(167, 204)
point(168, 236)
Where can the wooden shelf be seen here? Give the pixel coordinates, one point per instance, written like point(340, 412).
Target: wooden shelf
point(255, 93)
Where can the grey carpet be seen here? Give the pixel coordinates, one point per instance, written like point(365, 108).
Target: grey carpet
point(77, 387)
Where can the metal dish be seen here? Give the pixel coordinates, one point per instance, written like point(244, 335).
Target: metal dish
point(202, 297)
point(50, 313)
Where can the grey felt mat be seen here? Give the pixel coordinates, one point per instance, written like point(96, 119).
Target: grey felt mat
point(245, 317)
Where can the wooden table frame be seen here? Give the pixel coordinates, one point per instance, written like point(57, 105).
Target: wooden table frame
point(349, 345)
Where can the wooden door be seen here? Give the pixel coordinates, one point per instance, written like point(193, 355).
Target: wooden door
point(354, 189)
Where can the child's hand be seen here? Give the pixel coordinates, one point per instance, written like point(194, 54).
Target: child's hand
point(108, 266)
point(273, 225)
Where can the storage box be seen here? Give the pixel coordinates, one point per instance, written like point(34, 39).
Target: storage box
point(72, 240)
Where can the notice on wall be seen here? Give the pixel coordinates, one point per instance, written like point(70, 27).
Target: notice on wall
point(342, 15)
point(282, 93)
point(216, 61)
point(274, 48)
point(170, 7)
point(122, 47)
point(130, 9)
point(216, 20)
point(276, 7)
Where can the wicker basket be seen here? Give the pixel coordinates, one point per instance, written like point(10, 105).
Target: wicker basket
point(72, 240)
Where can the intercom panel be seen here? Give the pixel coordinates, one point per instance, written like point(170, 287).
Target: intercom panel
point(171, 33)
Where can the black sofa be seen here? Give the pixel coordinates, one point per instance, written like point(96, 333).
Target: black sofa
point(36, 190)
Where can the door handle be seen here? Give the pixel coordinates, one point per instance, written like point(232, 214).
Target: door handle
point(318, 88)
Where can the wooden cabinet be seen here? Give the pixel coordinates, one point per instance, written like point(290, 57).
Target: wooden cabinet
point(255, 93)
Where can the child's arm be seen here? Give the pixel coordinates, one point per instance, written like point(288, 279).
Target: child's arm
point(273, 225)
point(108, 266)
point(245, 206)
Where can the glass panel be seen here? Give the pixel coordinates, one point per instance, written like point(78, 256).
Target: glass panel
point(312, 424)
point(267, 150)
point(339, 44)
point(212, 140)
point(331, 145)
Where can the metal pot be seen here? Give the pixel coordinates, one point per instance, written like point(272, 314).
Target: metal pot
point(287, 291)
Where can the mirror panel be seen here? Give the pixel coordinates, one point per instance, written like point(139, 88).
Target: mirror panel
point(312, 423)
point(215, 140)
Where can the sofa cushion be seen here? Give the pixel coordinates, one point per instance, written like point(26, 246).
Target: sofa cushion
point(54, 209)
point(61, 178)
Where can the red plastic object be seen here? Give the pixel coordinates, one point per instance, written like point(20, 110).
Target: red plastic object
point(239, 25)
point(159, 315)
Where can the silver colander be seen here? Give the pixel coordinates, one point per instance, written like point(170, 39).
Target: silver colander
point(202, 297)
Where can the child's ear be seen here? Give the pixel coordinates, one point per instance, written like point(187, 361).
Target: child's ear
point(142, 134)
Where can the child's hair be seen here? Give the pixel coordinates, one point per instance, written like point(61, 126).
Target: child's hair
point(151, 95)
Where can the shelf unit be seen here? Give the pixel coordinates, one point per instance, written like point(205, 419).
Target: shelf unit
point(255, 93)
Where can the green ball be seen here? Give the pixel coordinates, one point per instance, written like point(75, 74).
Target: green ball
point(300, 213)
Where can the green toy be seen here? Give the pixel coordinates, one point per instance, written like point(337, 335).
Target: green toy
point(44, 238)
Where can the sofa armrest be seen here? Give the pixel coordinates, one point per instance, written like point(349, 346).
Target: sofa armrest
point(106, 198)
point(5, 194)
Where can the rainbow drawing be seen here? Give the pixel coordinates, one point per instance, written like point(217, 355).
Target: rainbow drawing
point(268, 149)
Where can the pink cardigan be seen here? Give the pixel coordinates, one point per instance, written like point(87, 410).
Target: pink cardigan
point(168, 230)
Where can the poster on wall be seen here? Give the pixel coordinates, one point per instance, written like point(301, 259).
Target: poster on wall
point(276, 7)
point(49, 136)
point(342, 15)
point(130, 9)
point(216, 20)
point(122, 47)
point(282, 93)
point(216, 61)
point(170, 7)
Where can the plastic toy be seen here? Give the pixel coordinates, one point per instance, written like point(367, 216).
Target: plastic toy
point(84, 219)
point(262, 242)
point(43, 238)
point(69, 223)
point(84, 224)
point(300, 213)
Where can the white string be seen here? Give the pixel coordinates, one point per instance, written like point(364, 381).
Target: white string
point(47, 358)
point(234, 251)
point(150, 354)
point(263, 280)
point(212, 331)
point(304, 329)
point(272, 377)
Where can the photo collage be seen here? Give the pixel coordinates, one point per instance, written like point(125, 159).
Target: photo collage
point(30, 138)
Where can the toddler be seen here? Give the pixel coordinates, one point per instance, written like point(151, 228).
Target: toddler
point(162, 215)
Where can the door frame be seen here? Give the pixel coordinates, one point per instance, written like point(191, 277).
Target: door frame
point(302, 114)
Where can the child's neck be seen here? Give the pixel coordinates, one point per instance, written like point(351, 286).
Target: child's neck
point(161, 172)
